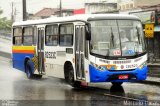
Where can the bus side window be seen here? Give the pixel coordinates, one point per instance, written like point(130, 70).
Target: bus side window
point(17, 36)
point(51, 38)
point(28, 36)
point(66, 35)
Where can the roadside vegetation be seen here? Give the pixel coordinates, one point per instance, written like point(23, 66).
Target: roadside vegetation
point(5, 24)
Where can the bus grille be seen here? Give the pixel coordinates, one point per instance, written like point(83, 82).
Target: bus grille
point(120, 70)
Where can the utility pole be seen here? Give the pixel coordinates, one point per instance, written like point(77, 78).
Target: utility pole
point(24, 12)
point(12, 14)
point(15, 13)
point(60, 8)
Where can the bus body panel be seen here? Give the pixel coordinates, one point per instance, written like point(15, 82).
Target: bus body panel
point(55, 59)
point(95, 69)
point(19, 54)
point(107, 76)
point(136, 70)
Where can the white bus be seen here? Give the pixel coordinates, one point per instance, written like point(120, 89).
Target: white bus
point(82, 48)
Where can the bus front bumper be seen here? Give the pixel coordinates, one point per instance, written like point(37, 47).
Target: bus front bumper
point(113, 76)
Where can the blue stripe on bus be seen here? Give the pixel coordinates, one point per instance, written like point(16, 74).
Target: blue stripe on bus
point(18, 60)
point(103, 76)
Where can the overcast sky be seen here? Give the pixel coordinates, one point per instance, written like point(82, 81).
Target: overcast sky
point(35, 5)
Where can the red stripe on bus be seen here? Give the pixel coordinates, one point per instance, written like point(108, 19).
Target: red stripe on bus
point(23, 51)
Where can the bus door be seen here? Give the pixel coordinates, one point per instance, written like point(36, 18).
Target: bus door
point(40, 50)
point(79, 50)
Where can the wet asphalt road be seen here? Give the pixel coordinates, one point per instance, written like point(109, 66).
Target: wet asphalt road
point(52, 91)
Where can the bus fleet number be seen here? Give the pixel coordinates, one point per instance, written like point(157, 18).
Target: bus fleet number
point(51, 55)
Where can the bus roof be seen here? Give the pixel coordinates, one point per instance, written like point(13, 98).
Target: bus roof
point(84, 18)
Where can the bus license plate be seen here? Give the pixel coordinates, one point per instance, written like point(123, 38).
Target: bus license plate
point(122, 77)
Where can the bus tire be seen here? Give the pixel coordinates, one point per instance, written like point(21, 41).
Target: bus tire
point(37, 76)
point(71, 81)
point(28, 69)
point(117, 83)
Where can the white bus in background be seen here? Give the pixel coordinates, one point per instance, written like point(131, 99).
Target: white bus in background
point(82, 48)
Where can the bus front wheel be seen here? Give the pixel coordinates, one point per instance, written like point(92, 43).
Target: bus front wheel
point(70, 78)
point(28, 69)
point(117, 83)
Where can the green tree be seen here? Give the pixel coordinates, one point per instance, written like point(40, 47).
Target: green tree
point(5, 24)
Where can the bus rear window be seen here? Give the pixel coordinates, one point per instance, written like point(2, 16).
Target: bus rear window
point(17, 36)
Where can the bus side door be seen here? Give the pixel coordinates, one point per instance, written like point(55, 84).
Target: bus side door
point(79, 50)
point(40, 50)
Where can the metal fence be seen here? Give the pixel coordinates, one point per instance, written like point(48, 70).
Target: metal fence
point(153, 48)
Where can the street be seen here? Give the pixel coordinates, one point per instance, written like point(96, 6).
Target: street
point(14, 85)
point(111, 43)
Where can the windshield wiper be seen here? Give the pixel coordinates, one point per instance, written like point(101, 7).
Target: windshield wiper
point(112, 37)
point(111, 42)
point(138, 35)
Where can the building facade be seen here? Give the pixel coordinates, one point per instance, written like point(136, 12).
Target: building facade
point(96, 7)
point(134, 4)
point(126, 4)
point(44, 13)
point(64, 13)
point(51, 12)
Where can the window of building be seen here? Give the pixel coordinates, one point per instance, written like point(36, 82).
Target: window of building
point(28, 36)
point(131, 5)
point(17, 36)
point(51, 35)
point(127, 6)
point(123, 7)
point(120, 7)
point(66, 35)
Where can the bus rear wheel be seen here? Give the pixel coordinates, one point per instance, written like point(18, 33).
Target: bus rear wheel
point(117, 83)
point(28, 69)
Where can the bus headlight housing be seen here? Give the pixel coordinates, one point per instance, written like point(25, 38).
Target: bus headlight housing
point(142, 65)
point(97, 66)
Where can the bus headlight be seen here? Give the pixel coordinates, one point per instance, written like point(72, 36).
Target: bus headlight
point(142, 65)
point(97, 66)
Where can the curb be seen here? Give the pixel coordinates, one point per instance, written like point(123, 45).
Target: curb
point(5, 59)
point(5, 55)
point(150, 82)
point(153, 65)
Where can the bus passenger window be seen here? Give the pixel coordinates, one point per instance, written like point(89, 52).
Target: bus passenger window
point(51, 35)
point(66, 35)
point(28, 35)
point(17, 36)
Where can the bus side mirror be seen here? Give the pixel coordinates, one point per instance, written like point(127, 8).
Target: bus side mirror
point(88, 31)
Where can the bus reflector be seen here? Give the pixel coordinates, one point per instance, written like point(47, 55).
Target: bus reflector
point(84, 84)
point(73, 60)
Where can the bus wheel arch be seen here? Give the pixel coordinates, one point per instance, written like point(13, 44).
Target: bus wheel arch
point(28, 68)
point(69, 75)
point(117, 83)
point(67, 67)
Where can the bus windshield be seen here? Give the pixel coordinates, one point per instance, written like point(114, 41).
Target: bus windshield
point(117, 38)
